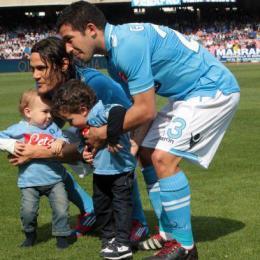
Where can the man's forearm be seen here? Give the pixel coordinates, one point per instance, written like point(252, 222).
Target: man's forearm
point(143, 110)
point(69, 154)
point(137, 116)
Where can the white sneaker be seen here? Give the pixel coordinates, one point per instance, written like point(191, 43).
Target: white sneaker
point(116, 251)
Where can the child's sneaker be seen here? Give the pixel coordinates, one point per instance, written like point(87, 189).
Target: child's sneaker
point(105, 244)
point(116, 250)
point(172, 250)
point(155, 242)
point(62, 242)
point(30, 239)
point(84, 224)
point(138, 233)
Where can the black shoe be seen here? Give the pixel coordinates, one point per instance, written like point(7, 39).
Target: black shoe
point(174, 251)
point(62, 242)
point(30, 239)
point(115, 251)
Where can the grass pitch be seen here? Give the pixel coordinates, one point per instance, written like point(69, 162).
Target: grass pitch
point(225, 198)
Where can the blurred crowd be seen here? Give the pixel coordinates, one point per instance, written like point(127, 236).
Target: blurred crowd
point(234, 36)
point(16, 44)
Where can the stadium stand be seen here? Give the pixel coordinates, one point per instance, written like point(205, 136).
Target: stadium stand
point(230, 32)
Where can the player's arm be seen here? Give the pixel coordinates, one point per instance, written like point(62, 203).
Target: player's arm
point(68, 153)
point(137, 69)
point(143, 111)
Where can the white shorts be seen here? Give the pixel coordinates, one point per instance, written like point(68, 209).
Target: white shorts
point(194, 128)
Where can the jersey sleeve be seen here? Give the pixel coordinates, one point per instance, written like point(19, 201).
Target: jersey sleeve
point(134, 61)
point(7, 145)
point(8, 139)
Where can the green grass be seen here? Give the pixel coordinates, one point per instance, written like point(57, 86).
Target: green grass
point(225, 205)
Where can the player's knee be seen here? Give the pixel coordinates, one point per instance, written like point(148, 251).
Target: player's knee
point(157, 159)
point(164, 162)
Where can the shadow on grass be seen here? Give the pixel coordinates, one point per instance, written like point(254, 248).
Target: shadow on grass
point(44, 232)
point(205, 228)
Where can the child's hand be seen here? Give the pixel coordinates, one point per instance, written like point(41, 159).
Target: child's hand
point(56, 146)
point(134, 147)
point(114, 148)
point(87, 155)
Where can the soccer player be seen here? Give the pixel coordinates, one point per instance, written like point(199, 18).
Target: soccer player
point(51, 66)
point(203, 95)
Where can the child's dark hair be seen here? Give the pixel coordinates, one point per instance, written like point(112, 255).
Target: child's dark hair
point(79, 14)
point(71, 96)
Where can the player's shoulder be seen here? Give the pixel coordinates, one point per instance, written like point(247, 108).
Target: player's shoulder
point(88, 75)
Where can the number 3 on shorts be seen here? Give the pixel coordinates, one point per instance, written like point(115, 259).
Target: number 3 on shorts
point(177, 126)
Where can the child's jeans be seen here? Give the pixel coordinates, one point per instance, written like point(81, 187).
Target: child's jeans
point(58, 200)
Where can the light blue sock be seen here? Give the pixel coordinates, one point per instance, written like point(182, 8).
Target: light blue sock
point(138, 212)
point(153, 189)
point(78, 196)
point(175, 196)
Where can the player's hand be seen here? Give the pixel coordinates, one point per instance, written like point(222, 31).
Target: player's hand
point(18, 160)
point(18, 148)
point(87, 155)
point(25, 153)
point(96, 136)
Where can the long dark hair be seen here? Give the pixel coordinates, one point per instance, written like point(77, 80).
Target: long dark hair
point(52, 50)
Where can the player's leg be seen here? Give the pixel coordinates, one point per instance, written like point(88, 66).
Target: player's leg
point(194, 133)
point(30, 198)
point(139, 230)
point(173, 186)
point(153, 189)
point(175, 197)
point(167, 165)
point(79, 197)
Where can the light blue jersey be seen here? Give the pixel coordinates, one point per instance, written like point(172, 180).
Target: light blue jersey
point(105, 162)
point(37, 172)
point(106, 89)
point(144, 55)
